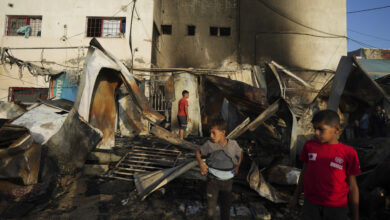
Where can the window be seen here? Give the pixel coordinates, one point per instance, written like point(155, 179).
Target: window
point(220, 31)
point(191, 30)
point(166, 29)
point(15, 22)
point(224, 31)
point(213, 31)
point(105, 27)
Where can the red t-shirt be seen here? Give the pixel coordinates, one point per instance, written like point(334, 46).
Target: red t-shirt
point(182, 104)
point(328, 167)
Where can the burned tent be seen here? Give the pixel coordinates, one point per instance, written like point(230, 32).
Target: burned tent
point(273, 127)
point(353, 85)
point(67, 132)
point(19, 156)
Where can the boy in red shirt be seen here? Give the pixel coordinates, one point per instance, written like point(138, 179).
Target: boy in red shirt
point(182, 113)
point(329, 172)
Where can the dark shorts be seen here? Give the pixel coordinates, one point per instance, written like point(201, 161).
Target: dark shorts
point(182, 121)
point(312, 211)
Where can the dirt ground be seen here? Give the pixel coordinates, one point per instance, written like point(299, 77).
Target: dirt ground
point(96, 198)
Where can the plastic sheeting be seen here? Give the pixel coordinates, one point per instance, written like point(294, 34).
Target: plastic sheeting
point(42, 121)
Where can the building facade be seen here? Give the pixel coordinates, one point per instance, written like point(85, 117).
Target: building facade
point(306, 36)
point(60, 34)
point(211, 33)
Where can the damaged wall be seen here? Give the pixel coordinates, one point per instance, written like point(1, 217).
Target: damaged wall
point(260, 31)
point(296, 35)
point(179, 49)
point(267, 34)
point(64, 25)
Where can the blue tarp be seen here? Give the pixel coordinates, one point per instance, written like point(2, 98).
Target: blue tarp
point(63, 89)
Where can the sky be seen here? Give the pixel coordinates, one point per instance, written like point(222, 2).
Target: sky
point(373, 26)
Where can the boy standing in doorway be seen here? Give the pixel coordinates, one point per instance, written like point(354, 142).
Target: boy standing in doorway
point(182, 114)
point(329, 171)
point(223, 161)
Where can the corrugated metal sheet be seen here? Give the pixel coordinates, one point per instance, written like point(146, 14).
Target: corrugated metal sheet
point(375, 68)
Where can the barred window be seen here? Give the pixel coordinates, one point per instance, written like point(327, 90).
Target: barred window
point(105, 27)
point(15, 22)
point(220, 31)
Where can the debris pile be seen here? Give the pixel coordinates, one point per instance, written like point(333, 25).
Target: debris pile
point(111, 133)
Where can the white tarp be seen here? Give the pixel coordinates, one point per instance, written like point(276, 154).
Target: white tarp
point(42, 121)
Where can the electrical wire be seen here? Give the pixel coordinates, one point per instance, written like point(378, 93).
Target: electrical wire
point(130, 36)
point(275, 10)
point(369, 9)
point(122, 7)
point(295, 21)
point(4, 97)
point(19, 79)
point(362, 43)
point(55, 63)
point(299, 33)
point(369, 35)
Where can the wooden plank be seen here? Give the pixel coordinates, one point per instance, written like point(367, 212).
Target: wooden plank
point(238, 128)
point(286, 71)
point(122, 178)
point(271, 110)
point(164, 134)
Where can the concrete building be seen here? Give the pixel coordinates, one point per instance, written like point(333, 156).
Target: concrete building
point(305, 36)
point(198, 33)
point(195, 33)
point(371, 54)
point(61, 31)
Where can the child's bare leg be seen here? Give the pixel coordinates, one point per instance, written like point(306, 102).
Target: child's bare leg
point(181, 133)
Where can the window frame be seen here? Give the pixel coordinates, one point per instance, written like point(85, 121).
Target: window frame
point(189, 27)
point(163, 26)
point(27, 17)
point(212, 29)
point(227, 29)
point(121, 19)
point(218, 31)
